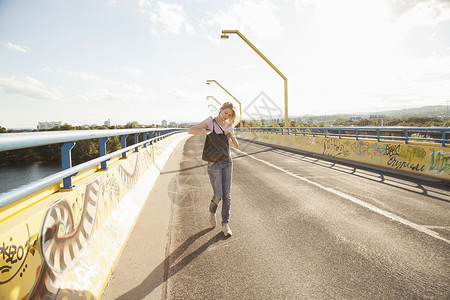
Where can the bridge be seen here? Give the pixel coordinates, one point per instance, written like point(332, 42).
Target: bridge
point(317, 213)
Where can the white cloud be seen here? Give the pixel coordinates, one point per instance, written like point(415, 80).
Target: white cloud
point(166, 18)
point(110, 90)
point(111, 2)
point(80, 75)
point(254, 17)
point(302, 6)
point(189, 29)
point(411, 14)
point(180, 94)
point(129, 70)
point(14, 47)
point(29, 87)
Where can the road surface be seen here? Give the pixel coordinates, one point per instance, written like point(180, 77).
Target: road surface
point(303, 228)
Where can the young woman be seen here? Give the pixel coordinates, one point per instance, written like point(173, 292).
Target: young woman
point(220, 172)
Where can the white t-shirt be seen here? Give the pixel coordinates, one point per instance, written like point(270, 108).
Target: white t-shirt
point(209, 121)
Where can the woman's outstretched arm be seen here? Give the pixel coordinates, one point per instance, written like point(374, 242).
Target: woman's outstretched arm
point(199, 129)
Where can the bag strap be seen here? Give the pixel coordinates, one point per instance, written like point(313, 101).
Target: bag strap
point(214, 121)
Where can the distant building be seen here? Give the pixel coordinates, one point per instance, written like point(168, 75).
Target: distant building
point(173, 125)
point(164, 124)
point(371, 117)
point(107, 123)
point(48, 125)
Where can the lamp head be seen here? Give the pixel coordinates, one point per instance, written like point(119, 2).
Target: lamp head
point(224, 36)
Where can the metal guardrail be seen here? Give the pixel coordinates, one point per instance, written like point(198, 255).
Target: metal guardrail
point(12, 141)
point(405, 134)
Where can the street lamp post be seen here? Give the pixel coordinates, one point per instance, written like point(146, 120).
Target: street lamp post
point(240, 106)
point(215, 108)
point(225, 34)
point(207, 97)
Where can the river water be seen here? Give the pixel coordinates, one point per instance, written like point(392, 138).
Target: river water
point(14, 176)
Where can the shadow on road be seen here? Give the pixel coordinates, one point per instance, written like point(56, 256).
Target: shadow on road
point(435, 189)
point(154, 279)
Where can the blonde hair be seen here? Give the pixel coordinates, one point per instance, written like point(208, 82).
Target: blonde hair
point(230, 106)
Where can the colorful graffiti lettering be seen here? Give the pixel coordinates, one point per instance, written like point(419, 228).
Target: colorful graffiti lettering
point(392, 150)
point(439, 162)
point(411, 152)
point(12, 253)
point(397, 164)
point(359, 148)
point(14, 257)
point(379, 148)
point(334, 147)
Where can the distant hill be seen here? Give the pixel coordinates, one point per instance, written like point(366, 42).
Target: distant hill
point(424, 111)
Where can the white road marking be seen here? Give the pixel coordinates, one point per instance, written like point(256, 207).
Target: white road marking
point(387, 214)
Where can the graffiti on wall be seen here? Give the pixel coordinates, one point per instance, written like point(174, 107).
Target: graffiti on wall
point(35, 257)
point(428, 160)
point(61, 241)
point(397, 156)
point(335, 147)
point(440, 162)
point(14, 255)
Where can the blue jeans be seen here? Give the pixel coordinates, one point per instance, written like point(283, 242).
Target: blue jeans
point(220, 177)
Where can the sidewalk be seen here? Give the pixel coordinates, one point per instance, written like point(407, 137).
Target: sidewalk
point(140, 271)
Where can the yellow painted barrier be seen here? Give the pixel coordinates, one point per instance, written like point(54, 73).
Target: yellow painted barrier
point(64, 244)
point(428, 159)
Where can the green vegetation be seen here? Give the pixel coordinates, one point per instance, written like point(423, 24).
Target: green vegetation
point(83, 150)
point(88, 149)
point(390, 121)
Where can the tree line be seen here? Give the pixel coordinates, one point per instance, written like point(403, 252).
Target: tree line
point(414, 121)
point(83, 151)
point(89, 149)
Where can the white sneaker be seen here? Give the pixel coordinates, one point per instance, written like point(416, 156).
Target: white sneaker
point(212, 220)
point(226, 229)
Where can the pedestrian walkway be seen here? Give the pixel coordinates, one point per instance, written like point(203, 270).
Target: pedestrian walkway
point(140, 270)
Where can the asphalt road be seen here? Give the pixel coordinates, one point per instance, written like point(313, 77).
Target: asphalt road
point(303, 228)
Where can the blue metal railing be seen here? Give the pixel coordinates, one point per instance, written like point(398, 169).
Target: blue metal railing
point(12, 141)
point(405, 134)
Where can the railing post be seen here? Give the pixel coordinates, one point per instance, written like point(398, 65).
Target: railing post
point(314, 132)
point(443, 138)
point(325, 132)
point(144, 138)
point(136, 140)
point(66, 162)
point(123, 142)
point(356, 134)
point(406, 136)
point(339, 134)
point(378, 135)
point(102, 150)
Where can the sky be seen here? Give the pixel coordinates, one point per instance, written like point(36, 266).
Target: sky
point(87, 61)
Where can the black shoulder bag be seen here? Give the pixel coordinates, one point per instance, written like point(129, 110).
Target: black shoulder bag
point(216, 146)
